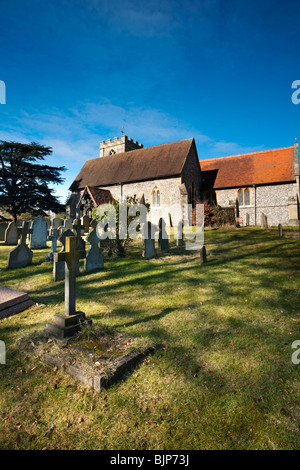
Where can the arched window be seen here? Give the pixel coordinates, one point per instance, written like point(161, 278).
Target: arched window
point(156, 197)
point(241, 197)
point(244, 197)
point(247, 197)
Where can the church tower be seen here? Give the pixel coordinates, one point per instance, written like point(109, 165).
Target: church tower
point(116, 145)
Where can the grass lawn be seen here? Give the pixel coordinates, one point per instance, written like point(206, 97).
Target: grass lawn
point(223, 380)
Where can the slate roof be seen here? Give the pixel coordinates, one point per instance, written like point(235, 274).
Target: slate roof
point(159, 161)
point(266, 167)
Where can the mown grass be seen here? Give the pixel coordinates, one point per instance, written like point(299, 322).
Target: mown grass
point(224, 378)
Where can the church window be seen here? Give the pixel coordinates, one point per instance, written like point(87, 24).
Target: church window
point(243, 196)
point(156, 197)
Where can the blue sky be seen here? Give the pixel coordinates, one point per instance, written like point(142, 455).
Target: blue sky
point(217, 70)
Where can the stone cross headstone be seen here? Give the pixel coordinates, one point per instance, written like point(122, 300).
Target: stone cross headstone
point(53, 237)
point(94, 258)
point(70, 322)
point(203, 258)
point(179, 235)
point(280, 231)
point(163, 239)
point(20, 256)
point(149, 241)
point(59, 266)
point(3, 227)
point(11, 234)
point(38, 238)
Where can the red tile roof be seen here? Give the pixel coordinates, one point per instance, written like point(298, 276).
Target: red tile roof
point(269, 166)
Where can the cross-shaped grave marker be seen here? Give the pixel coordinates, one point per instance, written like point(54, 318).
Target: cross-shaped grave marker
point(70, 322)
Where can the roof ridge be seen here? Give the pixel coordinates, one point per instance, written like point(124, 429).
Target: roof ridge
point(246, 154)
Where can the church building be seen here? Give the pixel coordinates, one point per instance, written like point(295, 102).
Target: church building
point(169, 176)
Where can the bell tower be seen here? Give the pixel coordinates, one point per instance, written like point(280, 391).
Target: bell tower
point(114, 146)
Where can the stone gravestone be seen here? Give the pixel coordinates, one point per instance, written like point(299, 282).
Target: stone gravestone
point(13, 302)
point(264, 221)
point(80, 243)
point(149, 241)
point(203, 258)
point(21, 255)
point(53, 237)
point(179, 239)
point(3, 227)
point(59, 266)
point(280, 231)
point(94, 258)
point(69, 323)
point(68, 223)
point(163, 239)
point(38, 238)
point(11, 234)
point(56, 222)
point(247, 220)
point(86, 223)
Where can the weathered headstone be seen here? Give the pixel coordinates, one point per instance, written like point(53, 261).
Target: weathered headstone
point(149, 241)
point(38, 238)
point(56, 222)
point(80, 243)
point(179, 235)
point(247, 220)
point(94, 258)
point(280, 231)
point(20, 256)
point(203, 258)
point(86, 223)
point(11, 234)
point(59, 266)
point(3, 227)
point(163, 239)
point(69, 323)
point(68, 223)
point(264, 221)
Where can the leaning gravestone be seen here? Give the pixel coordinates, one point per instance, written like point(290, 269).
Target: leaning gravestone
point(11, 234)
point(38, 238)
point(149, 242)
point(3, 227)
point(20, 256)
point(163, 239)
point(94, 258)
point(59, 266)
